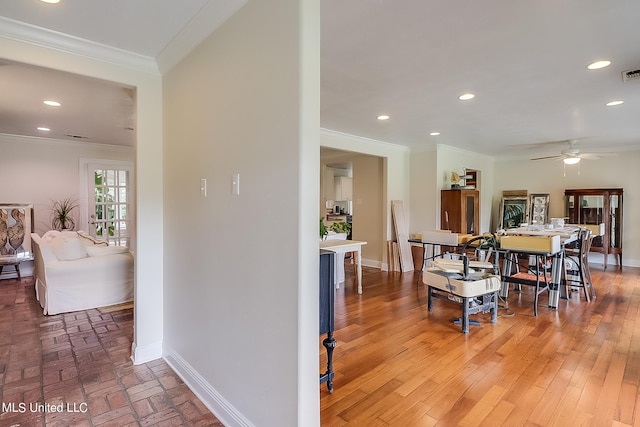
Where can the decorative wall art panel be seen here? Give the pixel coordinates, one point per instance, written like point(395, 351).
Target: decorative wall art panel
point(16, 226)
point(539, 204)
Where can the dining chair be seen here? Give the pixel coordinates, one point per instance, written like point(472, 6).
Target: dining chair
point(535, 274)
point(576, 264)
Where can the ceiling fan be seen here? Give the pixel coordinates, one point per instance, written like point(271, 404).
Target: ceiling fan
point(573, 155)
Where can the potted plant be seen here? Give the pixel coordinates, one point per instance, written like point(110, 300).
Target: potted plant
point(61, 211)
point(341, 227)
point(323, 229)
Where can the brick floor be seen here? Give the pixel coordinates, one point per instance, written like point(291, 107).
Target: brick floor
point(74, 369)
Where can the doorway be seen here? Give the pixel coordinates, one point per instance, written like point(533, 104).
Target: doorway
point(108, 209)
point(367, 204)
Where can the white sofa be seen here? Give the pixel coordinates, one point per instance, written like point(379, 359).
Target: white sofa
point(74, 272)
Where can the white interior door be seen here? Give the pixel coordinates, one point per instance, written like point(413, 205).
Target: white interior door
point(110, 209)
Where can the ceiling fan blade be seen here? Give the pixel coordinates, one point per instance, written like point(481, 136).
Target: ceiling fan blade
point(595, 156)
point(547, 157)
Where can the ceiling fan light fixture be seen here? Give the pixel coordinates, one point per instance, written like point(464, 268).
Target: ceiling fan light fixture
point(571, 160)
point(598, 65)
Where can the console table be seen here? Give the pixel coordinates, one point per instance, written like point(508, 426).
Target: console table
point(327, 295)
point(14, 260)
point(342, 246)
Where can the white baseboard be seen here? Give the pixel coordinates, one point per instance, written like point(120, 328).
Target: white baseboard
point(218, 405)
point(371, 263)
point(147, 353)
point(597, 259)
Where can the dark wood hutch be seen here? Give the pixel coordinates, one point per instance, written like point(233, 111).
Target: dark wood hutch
point(597, 206)
point(460, 211)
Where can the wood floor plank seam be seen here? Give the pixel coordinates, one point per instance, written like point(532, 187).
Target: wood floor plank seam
point(578, 364)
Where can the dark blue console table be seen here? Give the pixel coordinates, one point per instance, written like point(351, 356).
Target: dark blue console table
point(327, 294)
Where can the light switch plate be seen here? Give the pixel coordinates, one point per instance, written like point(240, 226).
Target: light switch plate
point(203, 187)
point(235, 184)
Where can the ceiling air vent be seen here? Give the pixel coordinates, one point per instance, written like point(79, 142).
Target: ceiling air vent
point(631, 75)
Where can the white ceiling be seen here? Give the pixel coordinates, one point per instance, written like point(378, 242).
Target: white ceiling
point(525, 61)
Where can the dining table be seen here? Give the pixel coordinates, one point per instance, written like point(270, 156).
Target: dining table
point(344, 246)
point(566, 235)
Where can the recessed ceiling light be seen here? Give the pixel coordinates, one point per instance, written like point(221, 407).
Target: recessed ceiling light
point(51, 103)
point(466, 96)
point(50, 1)
point(434, 133)
point(383, 117)
point(598, 64)
point(614, 103)
point(43, 129)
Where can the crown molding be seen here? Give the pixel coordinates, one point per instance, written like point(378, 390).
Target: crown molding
point(50, 39)
point(201, 26)
point(9, 138)
point(452, 149)
point(341, 136)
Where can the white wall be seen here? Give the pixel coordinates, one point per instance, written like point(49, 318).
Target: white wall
point(368, 217)
point(553, 177)
point(148, 152)
point(40, 170)
point(450, 159)
point(241, 272)
point(425, 194)
point(430, 172)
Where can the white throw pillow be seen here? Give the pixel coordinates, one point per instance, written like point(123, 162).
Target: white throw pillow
point(105, 250)
point(50, 235)
point(68, 249)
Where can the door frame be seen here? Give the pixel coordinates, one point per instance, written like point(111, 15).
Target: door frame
point(84, 191)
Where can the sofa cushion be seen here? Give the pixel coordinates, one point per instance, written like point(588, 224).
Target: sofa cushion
point(68, 248)
point(105, 250)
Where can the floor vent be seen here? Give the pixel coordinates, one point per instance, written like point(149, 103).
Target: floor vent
point(631, 75)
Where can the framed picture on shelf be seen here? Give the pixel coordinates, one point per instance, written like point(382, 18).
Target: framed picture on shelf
point(539, 204)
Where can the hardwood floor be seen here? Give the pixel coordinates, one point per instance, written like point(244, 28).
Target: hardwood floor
point(397, 364)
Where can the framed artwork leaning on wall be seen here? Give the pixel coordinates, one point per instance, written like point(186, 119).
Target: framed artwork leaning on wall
point(16, 226)
point(514, 210)
point(539, 204)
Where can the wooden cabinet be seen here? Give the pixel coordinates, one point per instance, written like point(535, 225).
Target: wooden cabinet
point(460, 211)
point(328, 184)
point(598, 206)
point(343, 188)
